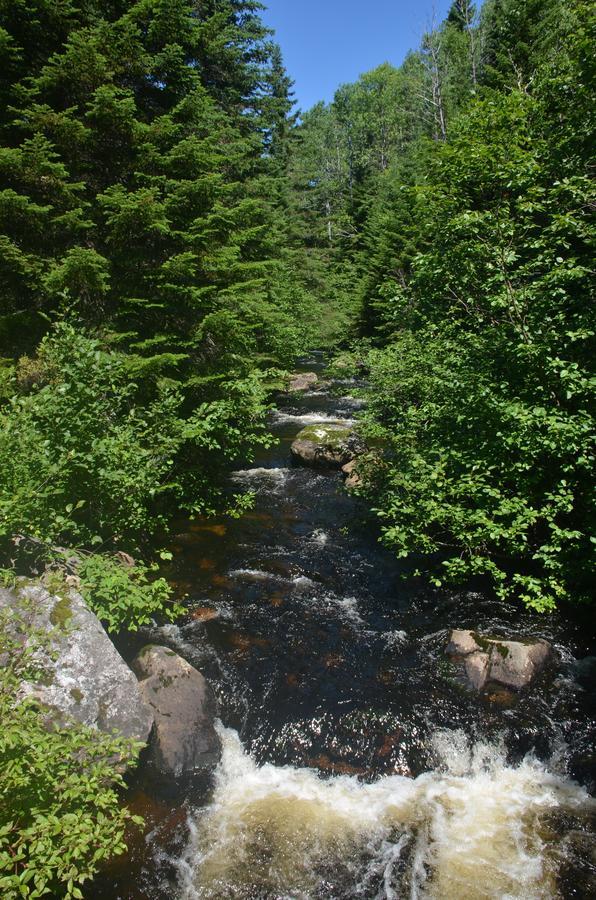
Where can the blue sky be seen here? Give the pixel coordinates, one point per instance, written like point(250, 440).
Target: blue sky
point(326, 43)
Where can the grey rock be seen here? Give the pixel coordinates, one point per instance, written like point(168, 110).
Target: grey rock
point(302, 382)
point(462, 643)
point(84, 677)
point(183, 704)
point(485, 659)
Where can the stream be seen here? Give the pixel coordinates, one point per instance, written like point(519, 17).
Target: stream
point(352, 765)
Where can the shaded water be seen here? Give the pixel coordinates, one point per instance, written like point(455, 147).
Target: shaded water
point(353, 765)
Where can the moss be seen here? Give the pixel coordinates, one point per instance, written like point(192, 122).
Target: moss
point(46, 678)
point(61, 614)
point(54, 582)
point(77, 695)
point(324, 435)
point(488, 642)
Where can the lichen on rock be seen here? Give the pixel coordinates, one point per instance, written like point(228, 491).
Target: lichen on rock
point(82, 677)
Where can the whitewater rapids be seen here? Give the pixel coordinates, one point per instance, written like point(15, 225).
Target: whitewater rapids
point(475, 827)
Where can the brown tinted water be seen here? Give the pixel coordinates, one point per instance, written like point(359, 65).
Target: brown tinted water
point(353, 765)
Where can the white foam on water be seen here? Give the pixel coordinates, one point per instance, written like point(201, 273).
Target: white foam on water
point(349, 607)
point(254, 575)
point(346, 607)
point(355, 402)
point(319, 537)
point(272, 479)
point(298, 582)
point(321, 418)
point(473, 828)
point(302, 583)
point(395, 638)
point(278, 474)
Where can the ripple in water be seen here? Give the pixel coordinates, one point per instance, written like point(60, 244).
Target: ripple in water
point(474, 828)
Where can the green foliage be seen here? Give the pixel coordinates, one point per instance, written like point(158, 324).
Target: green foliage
point(124, 595)
point(81, 460)
point(60, 812)
point(485, 387)
point(88, 463)
point(476, 478)
point(141, 164)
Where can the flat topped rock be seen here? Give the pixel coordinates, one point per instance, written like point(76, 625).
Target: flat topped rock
point(302, 381)
point(485, 659)
point(183, 705)
point(326, 446)
point(84, 678)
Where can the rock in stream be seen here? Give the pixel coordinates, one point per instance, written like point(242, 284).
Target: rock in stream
point(513, 664)
point(183, 705)
point(326, 446)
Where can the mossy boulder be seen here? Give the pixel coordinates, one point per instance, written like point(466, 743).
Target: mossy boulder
point(326, 446)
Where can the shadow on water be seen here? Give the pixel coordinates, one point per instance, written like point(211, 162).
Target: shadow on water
point(325, 662)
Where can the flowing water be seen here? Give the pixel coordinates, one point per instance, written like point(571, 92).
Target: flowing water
point(353, 765)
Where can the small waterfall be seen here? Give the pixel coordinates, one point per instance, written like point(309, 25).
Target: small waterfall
point(473, 828)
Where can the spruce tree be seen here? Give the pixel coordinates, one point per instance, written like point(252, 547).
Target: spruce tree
point(139, 178)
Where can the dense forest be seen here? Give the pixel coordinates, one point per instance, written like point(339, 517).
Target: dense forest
point(174, 235)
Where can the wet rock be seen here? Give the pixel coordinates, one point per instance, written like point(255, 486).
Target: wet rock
point(513, 664)
point(302, 381)
point(326, 446)
point(477, 669)
point(183, 704)
point(353, 479)
point(84, 678)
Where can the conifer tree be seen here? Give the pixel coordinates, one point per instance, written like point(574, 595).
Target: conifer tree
point(140, 182)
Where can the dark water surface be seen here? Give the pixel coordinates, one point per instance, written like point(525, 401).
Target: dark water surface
point(353, 765)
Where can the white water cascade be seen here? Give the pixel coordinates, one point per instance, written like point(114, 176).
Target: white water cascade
point(475, 827)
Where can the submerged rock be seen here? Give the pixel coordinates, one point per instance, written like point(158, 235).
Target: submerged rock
point(584, 671)
point(302, 381)
point(184, 709)
point(84, 678)
point(485, 660)
point(327, 446)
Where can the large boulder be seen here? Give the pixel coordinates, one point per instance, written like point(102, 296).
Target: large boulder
point(183, 705)
point(486, 660)
point(303, 381)
point(83, 677)
point(326, 446)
